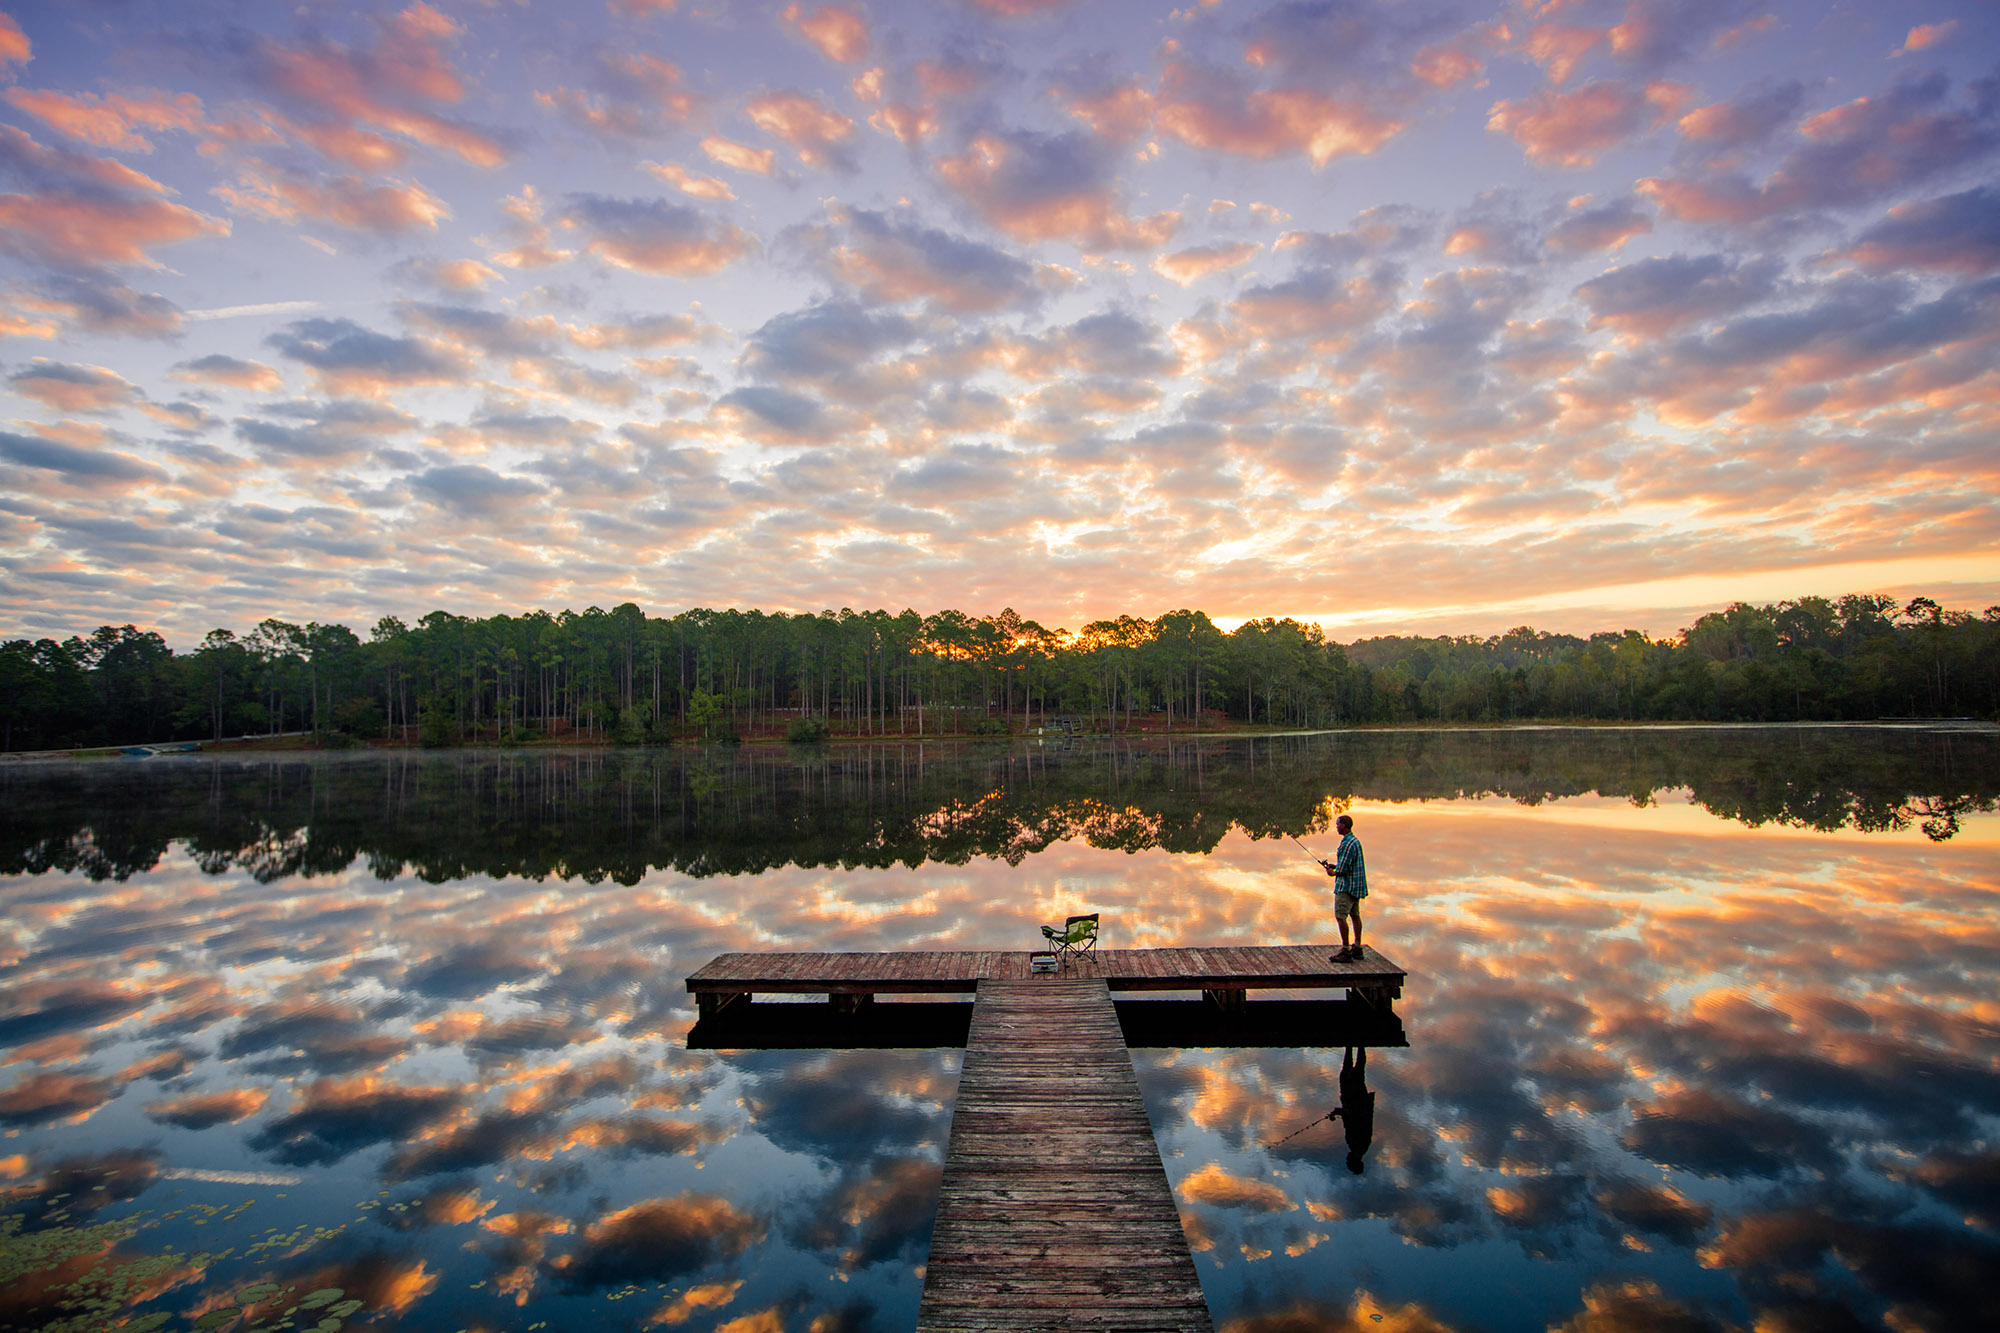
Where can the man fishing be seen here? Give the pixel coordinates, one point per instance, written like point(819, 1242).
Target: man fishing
point(1350, 886)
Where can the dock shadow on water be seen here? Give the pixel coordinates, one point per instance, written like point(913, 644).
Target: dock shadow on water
point(1700, 1029)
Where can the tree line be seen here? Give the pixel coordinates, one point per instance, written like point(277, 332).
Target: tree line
point(622, 676)
point(619, 813)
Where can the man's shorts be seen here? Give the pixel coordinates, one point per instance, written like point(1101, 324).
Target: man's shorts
point(1345, 905)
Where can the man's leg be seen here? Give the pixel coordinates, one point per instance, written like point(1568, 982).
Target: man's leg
point(1358, 951)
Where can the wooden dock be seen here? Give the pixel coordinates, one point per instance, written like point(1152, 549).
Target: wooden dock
point(1225, 975)
point(1055, 1211)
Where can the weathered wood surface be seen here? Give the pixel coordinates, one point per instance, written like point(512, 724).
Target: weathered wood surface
point(1055, 1212)
point(916, 972)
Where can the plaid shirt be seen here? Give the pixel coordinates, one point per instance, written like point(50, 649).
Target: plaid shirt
point(1350, 873)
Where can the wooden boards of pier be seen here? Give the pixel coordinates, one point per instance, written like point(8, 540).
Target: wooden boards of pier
point(1055, 1212)
point(1224, 973)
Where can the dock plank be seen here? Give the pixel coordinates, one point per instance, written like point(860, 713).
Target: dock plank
point(1046, 1220)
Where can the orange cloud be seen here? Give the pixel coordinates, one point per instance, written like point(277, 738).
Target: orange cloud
point(1218, 1189)
point(1191, 265)
point(202, 1110)
point(14, 47)
point(1572, 129)
point(701, 187)
point(838, 34)
point(742, 158)
point(1195, 109)
point(347, 201)
point(110, 121)
point(814, 131)
point(1040, 190)
point(702, 1296)
point(1926, 35)
point(91, 210)
point(73, 388)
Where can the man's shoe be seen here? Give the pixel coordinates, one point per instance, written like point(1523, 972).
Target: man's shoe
point(1358, 954)
point(1344, 956)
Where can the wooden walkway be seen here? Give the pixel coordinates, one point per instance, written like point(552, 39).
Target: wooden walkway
point(1055, 1211)
point(1225, 974)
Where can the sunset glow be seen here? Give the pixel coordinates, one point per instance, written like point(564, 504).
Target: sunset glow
point(1434, 317)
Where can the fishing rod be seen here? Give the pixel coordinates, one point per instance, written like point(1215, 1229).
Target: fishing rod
point(1308, 851)
point(1303, 1128)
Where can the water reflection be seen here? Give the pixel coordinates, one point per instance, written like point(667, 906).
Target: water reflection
point(412, 1032)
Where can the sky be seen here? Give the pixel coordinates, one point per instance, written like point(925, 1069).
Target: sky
point(1400, 317)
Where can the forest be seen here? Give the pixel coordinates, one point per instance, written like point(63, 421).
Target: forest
point(623, 677)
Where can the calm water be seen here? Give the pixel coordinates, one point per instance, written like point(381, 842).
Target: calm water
point(1702, 1030)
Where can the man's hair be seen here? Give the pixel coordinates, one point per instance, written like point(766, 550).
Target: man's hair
point(1345, 821)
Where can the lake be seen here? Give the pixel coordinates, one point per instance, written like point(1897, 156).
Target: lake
point(1702, 1028)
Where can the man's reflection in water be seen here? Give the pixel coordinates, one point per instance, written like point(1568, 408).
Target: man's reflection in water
point(1357, 1106)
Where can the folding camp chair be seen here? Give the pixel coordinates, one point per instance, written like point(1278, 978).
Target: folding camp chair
point(1078, 935)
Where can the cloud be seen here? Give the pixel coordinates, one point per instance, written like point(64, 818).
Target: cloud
point(1197, 262)
point(1655, 296)
point(838, 34)
point(789, 413)
point(815, 131)
point(1605, 227)
point(343, 100)
point(756, 160)
point(1957, 233)
point(92, 303)
point(40, 1098)
point(1926, 35)
point(895, 260)
point(331, 431)
point(632, 96)
point(385, 207)
point(79, 211)
point(233, 372)
point(347, 358)
point(1573, 129)
point(1744, 121)
point(456, 275)
point(15, 48)
point(1863, 150)
point(473, 489)
point(701, 187)
point(1215, 1187)
point(204, 1110)
point(111, 120)
point(659, 1240)
point(73, 388)
point(1038, 187)
point(331, 1119)
point(1206, 109)
point(655, 236)
point(79, 466)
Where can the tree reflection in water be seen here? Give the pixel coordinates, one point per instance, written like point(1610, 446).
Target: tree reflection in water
point(1701, 1024)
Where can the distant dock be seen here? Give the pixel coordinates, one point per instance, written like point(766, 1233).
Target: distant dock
point(1055, 1211)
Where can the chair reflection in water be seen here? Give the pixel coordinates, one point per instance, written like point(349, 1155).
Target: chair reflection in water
point(1078, 936)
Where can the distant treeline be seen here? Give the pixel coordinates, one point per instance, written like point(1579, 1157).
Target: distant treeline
point(618, 814)
point(623, 676)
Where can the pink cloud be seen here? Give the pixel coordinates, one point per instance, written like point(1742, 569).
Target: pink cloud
point(379, 86)
point(814, 131)
point(637, 96)
point(14, 45)
point(1572, 129)
point(1120, 113)
point(388, 207)
point(701, 187)
point(736, 155)
point(88, 210)
point(1960, 232)
point(1927, 35)
point(72, 388)
point(1559, 48)
point(111, 121)
point(1445, 66)
point(1860, 150)
point(1191, 265)
point(1606, 227)
point(1204, 111)
point(838, 34)
point(1057, 187)
point(229, 371)
point(654, 236)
